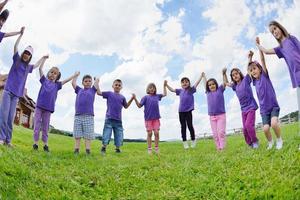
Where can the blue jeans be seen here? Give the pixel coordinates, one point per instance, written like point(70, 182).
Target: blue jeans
point(116, 126)
point(7, 114)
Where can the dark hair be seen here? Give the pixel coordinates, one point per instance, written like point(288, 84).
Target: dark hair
point(87, 76)
point(117, 80)
point(186, 79)
point(4, 15)
point(211, 79)
point(283, 30)
point(150, 85)
point(238, 71)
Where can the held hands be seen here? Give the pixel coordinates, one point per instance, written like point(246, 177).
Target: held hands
point(250, 54)
point(165, 83)
point(22, 30)
point(257, 41)
point(97, 80)
point(224, 70)
point(133, 96)
point(202, 74)
point(76, 74)
point(45, 56)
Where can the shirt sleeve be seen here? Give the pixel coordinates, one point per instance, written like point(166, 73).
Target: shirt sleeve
point(105, 95)
point(124, 102)
point(160, 96)
point(30, 67)
point(42, 79)
point(16, 57)
point(233, 87)
point(177, 91)
point(278, 51)
point(59, 85)
point(143, 100)
point(248, 79)
point(295, 41)
point(94, 89)
point(77, 89)
point(1, 36)
point(222, 88)
point(193, 90)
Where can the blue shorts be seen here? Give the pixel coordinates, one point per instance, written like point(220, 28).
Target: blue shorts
point(266, 118)
point(116, 126)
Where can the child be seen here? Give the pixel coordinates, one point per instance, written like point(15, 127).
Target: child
point(46, 103)
point(242, 86)
point(216, 109)
point(186, 106)
point(113, 119)
point(84, 111)
point(151, 113)
point(269, 108)
point(14, 88)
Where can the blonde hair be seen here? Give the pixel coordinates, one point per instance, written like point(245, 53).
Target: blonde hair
point(149, 86)
point(283, 30)
point(54, 68)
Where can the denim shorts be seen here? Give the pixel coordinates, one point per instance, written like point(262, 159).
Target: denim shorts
point(266, 118)
point(115, 126)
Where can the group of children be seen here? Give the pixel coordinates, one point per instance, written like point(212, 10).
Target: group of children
point(257, 74)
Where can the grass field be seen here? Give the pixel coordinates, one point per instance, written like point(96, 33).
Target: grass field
point(200, 173)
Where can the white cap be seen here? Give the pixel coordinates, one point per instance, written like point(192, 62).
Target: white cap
point(29, 49)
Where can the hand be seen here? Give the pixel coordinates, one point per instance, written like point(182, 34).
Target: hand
point(97, 80)
point(133, 96)
point(250, 54)
point(202, 74)
point(22, 30)
point(45, 56)
point(257, 41)
point(76, 74)
point(224, 70)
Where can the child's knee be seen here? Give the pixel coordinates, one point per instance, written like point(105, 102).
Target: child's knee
point(266, 128)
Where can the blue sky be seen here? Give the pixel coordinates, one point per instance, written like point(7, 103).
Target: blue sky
point(150, 41)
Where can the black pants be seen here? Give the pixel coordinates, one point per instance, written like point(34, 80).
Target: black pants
point(186, 118)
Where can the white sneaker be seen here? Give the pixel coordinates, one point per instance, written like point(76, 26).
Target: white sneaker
point(185, 145)
point(279, 143)
point(270, 145)
point(255, 145)
point(193, 143)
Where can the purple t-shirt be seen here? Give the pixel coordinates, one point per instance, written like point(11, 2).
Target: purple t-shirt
point(1, 35)
point(245, 95)
point(17, 76)
point(215, 101)
point(186, 96)
point(48, 94)
point(84, 104)
point(265, 94)
point(290, 51)
point(151, 109)
point(115, 102)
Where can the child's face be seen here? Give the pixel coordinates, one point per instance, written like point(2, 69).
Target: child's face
point(152, 90)
point(87, 83)
point(254, 71)
point(185, 84)
point(53, 74)
point(117, 86)
point(276, 32)
point(212, 86)
point(26, 56)
point(236, 76)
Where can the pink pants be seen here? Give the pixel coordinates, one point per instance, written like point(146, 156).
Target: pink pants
point(218, 127)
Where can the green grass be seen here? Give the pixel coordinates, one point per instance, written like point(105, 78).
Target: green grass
point(201, 173)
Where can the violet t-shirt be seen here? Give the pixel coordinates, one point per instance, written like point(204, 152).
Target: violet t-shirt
point(48, 94)
point(115, 102)
point(151, 108)
point(17, 76)
point(215, 101)
point(1, 36)
point(265, 94)
point(245, 95)
point(85, 98)
point(186, 96)
point(290, 51)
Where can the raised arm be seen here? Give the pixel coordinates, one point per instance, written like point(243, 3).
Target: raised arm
point(129, 102)
point(2, 5)
point(262, 57)
point(250, 56)
point(96, 85)
point(264, 50)
point(12, 34)
point(18, 40)
point(169, 88)
point(198, 81)
point(70, 78)
point(165, 88)
point(136, 101)
point(225, 79)
point(204, 81)
point(74, 80)
point(42, 65)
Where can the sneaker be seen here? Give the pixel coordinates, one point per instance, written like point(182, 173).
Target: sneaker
point(157, 150)
point(9, 145)
point(255, 145)
point(118, 150)
point(185, 145)
point(270, 145)
point(35, 147)
point(279, 143)
point(46, 148)
point(149, 151)
point(103, 150)
point(88, 151)
point(193, 143)
point(76, 151)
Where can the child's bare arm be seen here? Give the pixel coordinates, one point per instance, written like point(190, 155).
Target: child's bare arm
point(18, 40)
point(165, 89)
point(3, 4)
point(136, 101)
point(262, 57)
point(204, 81)
point(10, 34)
point(74, 80)
point(225, 79)
point(129, 102)
point(264, 50)
point(170, 88)
point(70, 78)
point(42, 65)
point(96, 85)
point(198, 81)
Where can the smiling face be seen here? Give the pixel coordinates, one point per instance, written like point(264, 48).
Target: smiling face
point(185, 83)
point(235, 75)
point(276, 32)
point(26, 56)
point(151, 89)
point(255, 71)
point(117, 86)
point(212, 86)
point(53, 74)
